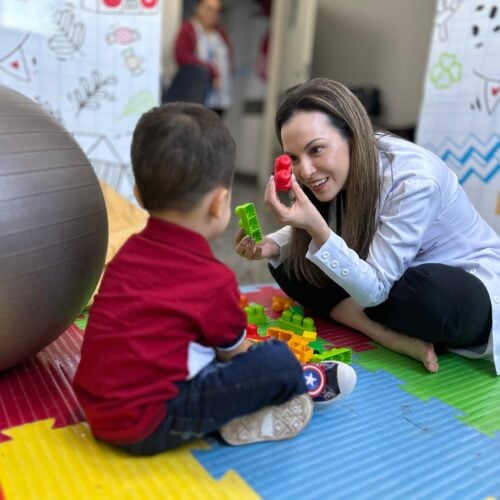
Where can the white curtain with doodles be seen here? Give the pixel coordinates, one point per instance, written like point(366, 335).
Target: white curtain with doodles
point(94, 65)
point(460, 115)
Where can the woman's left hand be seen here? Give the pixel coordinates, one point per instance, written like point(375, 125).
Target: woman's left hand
point(302, 213)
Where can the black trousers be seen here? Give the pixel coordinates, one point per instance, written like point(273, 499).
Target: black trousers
point(433, 302)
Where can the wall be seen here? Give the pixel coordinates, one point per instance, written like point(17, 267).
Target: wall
point(383, 43)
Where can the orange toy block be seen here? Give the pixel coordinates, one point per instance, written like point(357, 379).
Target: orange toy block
point(243, 301)
point(279, 333)
point(303, 353)
point(280, 303)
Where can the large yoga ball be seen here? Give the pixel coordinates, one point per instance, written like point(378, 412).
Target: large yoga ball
point(53, 228)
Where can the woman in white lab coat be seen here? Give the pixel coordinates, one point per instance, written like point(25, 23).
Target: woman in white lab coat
point(381, 236)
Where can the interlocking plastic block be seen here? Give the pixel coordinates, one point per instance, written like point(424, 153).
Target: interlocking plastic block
point(296, 322)
point(296, 310)
point(283, 173)
point(310, 336)
point(249, 221)
point(253, 334)
point(343, 354)
point(283, 179)
point(280, 303)
point(255, 314)
point(280, 333)
point(318, 345)
point(302, 352)
point(243, 301)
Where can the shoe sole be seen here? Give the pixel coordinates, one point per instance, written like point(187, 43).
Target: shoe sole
point(272, 423)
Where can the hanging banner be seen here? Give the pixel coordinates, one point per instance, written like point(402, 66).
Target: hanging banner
point(460, 116)
point(94, 65)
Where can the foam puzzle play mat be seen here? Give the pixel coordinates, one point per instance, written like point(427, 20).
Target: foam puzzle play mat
point(402, 433)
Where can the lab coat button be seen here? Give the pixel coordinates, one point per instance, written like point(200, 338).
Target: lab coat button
point(325, 255)
point(334, 263)
point(496, 298)
point(344, 272)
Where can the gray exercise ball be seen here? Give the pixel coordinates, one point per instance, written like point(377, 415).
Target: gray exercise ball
point(53, 228)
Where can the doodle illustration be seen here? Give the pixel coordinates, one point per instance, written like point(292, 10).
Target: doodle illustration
point(445, 10)
point(92, 92)
point(491, 94)
point(446, 71)
point(68, 35)
point(107, 161)
point(133, 62)
point(122, 35)
point(139, 103)
point(489, 17)
point(137, 7)
point(56, 114)
point(15, 63)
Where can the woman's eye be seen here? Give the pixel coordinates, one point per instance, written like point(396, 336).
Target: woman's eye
point(315, 150)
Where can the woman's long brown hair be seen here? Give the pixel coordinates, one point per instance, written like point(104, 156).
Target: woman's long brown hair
point(346, 113)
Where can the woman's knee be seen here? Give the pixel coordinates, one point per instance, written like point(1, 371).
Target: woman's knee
point(437, 303)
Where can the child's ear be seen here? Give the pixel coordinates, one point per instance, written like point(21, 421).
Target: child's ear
point(219, 200)
point(137, 195)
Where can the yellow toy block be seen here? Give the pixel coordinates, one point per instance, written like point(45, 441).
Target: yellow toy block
point(309, 335)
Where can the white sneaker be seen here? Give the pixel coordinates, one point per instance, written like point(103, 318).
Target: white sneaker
point(329, 381)
point(271, 423)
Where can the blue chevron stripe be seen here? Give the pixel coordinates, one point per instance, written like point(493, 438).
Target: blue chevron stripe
point(449, 150)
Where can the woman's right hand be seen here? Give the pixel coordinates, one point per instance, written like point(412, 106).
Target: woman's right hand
point(250, 250)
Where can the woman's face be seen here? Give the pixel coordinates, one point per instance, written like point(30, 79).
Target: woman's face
point(319, 153)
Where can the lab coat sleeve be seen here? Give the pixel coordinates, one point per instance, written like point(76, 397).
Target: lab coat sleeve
point(408, 212)
point(282, 239)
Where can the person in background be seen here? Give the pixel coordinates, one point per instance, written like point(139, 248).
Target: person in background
point(202, 41)
point(381, 236)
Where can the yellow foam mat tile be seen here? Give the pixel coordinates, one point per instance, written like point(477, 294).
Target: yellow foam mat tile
point(45, 463)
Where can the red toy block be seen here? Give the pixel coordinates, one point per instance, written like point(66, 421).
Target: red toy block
point(253, 333)
point(283, 173)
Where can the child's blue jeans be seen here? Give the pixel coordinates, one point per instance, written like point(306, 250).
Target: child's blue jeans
point(267, 374)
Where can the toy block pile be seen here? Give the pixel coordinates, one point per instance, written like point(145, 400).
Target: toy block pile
point(292, 327)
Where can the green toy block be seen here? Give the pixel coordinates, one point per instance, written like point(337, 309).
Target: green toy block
point(318, 345)
point(249, 221)
point(256, 314)
point(296, 322)
point(343, 354)
point(296, 310)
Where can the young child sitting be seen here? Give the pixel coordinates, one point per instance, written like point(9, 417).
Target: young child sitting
point(164, 356)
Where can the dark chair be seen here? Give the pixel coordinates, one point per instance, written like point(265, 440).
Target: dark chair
point(190, 83)
point(370, 98)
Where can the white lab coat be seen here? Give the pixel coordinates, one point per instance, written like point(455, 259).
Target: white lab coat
point(424, 216)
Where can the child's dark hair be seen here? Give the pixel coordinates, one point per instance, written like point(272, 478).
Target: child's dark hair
point(180, 151)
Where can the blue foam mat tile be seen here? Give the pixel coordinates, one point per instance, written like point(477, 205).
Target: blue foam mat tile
point(381, 442)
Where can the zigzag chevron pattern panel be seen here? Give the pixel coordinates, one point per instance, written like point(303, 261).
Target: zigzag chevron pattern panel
point(460, 116)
